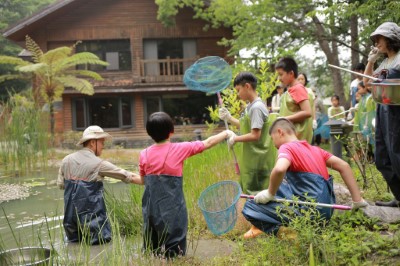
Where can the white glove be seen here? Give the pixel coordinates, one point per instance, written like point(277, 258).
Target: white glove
point(224, 114)
point(231, 139)
point(359, 204)
point(314, 124)
point(229, 134)
point(263, 197)
point(374, 55)
point(349, 116)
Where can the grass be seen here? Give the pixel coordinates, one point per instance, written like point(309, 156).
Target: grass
point(349, 238)
point(23, 139)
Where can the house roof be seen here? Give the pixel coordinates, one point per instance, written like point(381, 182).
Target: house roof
point(19, 29)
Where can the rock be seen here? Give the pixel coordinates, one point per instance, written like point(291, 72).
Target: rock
point(12, 192)
point(342, 194)
point(384, 214)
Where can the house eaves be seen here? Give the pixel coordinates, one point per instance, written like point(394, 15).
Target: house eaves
point(36, 17)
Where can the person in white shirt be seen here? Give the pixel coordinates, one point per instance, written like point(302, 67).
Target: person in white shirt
point(360, 67)
point(276, 99)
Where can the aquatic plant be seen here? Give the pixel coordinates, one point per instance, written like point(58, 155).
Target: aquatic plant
point(24, 134)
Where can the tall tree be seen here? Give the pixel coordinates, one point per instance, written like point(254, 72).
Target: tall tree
point(10, 12)
point(54, 71)
point(270, 26)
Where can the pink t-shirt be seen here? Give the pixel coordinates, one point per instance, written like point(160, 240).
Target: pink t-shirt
point(305, 158)
point(298, 92)
point(167, 158)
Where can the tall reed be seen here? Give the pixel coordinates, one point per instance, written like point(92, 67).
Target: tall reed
point(24, 134)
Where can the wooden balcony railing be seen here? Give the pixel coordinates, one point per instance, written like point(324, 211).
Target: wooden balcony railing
point(163, 70)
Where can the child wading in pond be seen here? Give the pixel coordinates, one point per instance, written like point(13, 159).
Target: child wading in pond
point(163, 204)
point(301, 172)
point(295, 102)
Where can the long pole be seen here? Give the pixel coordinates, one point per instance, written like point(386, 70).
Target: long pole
point(355, 73)
point(351, 109)
point(316, 204)
point(221, 104)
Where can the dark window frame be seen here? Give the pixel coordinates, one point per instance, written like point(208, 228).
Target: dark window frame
point(104, 45)
point(162, 107)
point(86, 117)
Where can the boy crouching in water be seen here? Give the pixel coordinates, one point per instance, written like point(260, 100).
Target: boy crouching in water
point(300, 171)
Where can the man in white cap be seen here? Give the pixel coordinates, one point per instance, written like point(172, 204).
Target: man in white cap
point(81, 176)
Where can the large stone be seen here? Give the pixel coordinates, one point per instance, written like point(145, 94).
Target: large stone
point(384, 214)
point(342, 194)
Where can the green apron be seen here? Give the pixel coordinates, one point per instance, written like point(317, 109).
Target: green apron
point(289, 107)
point(365, 113)
point(335, 111)
point(258, 158)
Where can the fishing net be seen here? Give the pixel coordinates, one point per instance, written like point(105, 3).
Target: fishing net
point(218, 205)
point(209, 74)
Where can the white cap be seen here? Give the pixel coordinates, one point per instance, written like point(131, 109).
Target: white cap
point(389, 30)
point(93, 132)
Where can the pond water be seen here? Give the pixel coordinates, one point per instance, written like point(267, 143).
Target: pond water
point(23, 220)
point(28, 222)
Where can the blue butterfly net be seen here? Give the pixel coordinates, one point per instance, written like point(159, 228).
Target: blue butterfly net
point(218, 203)
point(209, 74)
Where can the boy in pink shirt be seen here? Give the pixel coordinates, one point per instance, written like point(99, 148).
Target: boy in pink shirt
point(163, 203)
point(301, 172)
point(295, 102)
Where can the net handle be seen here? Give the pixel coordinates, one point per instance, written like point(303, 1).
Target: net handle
point(221, 104)
point(316, 204)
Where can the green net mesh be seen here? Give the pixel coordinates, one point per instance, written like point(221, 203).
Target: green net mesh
point(209, 74)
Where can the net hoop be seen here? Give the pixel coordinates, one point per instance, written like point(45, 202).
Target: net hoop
point(209, 74)
point(218, 204)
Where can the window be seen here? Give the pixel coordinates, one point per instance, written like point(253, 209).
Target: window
point(116, 52)
point(158, 49)
point(184, 109)
point(106, 112)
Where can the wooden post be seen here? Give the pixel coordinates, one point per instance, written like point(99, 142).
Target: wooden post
point(168, 66)
point(138, 66)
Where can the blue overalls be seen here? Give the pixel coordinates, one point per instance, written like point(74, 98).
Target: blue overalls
point(387, 141)
point(85, 214)
point(305, 187)
point(164, 214)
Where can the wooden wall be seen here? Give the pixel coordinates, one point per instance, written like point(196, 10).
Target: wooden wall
point(119, 19)
point(126, 19)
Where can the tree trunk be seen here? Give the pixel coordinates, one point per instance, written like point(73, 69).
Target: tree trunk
point(355, 48)
point(332, 56)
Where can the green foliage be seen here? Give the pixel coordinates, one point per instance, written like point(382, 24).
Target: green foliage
point(267, 82)
point(126, 210)
point(270, 31)
point(24, 138)
point(11, 12)
point(53, 71)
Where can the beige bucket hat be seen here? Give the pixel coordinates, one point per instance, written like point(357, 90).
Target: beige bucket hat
point(389, 30)
point(93, 132)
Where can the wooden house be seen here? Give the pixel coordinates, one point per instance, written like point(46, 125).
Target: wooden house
point(146, 64)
